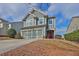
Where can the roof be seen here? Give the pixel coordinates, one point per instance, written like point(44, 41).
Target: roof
point(30, 13)
point(3, 20)
point(40, 11)
point(51, 17)
point(17, 22)
point(75, 17)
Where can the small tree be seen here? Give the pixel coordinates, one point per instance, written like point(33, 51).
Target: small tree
point(11, 33)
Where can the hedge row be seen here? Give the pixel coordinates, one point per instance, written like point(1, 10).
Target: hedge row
point(74, 36)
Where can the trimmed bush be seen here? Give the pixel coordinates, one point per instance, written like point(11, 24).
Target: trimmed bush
point(11, 33)
point(74, 36)
point(18, 36)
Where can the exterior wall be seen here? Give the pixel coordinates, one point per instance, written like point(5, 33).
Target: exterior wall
point(4, 28)
point(17, 26)
point(74, 25)
point(40, 19)
point(6, 25)
point(38, 14)
point(30, 21)
point(51, 27)
point(51, 24)
point(1, 31)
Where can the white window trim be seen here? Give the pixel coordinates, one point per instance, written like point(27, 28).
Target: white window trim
point(1, 25)
point(39, 21)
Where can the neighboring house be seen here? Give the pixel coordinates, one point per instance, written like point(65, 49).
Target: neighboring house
point(74, 24)
point(4, 25)
point(17, 25)
point(37, 24)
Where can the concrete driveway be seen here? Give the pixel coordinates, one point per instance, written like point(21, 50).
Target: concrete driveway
point(6, 45)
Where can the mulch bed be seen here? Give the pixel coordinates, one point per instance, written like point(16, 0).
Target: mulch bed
point(42, 48)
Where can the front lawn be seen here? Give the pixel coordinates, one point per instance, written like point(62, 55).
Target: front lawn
point(45, 48)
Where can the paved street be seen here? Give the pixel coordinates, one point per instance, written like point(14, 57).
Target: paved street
point(6, 45)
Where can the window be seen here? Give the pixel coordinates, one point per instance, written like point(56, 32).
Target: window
point(50, 21)
point(1, 25)
point(30, 22)
point(41, 21)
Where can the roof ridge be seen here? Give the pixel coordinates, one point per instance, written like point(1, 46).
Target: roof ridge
point(75, 16)
point(40, 11)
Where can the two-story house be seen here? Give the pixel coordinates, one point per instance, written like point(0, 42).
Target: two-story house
point(4, 25)
point(74, 24)
point(37, 24)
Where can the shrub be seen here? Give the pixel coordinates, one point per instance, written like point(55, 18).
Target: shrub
point(18, 36)
point(11, 33)
point(73, 36)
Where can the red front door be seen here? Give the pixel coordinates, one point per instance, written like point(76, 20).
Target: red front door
point(50, 34)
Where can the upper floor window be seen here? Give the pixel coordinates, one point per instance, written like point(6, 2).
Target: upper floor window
point(30, 22)
point(1, 25)
point(50, 21)
point(41, 21)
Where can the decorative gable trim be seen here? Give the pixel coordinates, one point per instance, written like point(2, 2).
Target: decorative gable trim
point(40, 11)
point(31, 13)
point(28, 16)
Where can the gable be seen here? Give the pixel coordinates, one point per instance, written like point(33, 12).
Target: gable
point(35, 13)
point(29, 17)
point(38, 13)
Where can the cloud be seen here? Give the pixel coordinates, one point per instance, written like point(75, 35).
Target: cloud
point(16, 11)
point(68, 10)
point(61, 30)
point(13, 11)
point(64, 13)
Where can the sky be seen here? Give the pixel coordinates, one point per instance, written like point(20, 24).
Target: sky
point(62, 11)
